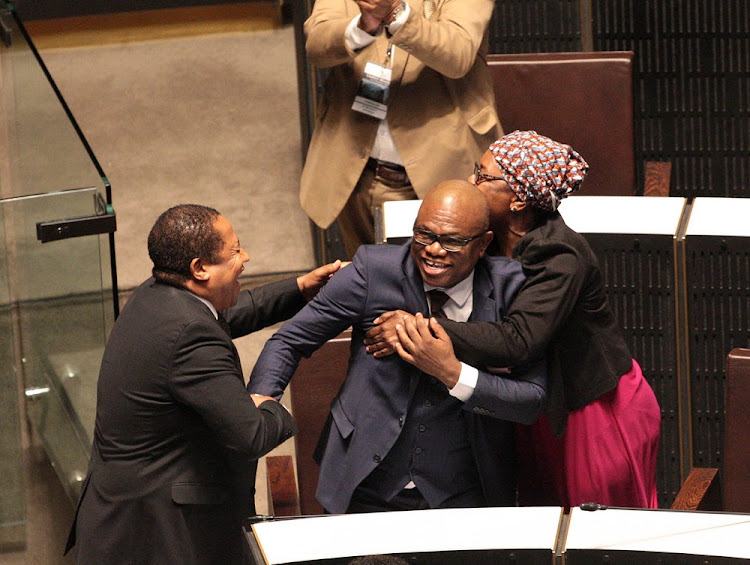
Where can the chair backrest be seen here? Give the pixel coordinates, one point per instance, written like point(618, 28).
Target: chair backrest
point(584, 99)
point(736, 484)
point(313, 388)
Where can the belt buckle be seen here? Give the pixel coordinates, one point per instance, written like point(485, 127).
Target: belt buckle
point(390, 175)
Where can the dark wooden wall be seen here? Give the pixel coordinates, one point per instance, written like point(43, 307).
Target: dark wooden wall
point(48, 9)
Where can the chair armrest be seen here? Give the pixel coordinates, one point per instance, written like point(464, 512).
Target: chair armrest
point(657, 178)
point(700, 491)
point(282, 485)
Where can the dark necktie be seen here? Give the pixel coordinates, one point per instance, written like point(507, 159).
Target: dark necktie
point(225, 325)
point(437, 300)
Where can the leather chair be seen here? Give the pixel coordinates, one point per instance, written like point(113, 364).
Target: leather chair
point(702, 489)
point(584, 99)
point(736, 485)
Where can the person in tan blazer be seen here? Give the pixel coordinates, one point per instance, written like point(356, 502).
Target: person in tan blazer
point(440, 105)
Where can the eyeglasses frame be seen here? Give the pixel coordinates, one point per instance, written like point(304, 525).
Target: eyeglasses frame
point(435, 237)
point(480, 177)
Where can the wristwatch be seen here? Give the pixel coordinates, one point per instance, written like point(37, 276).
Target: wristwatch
point(396, 12)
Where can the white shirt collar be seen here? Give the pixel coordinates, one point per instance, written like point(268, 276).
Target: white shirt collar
point(459, 292)
point(207, 303)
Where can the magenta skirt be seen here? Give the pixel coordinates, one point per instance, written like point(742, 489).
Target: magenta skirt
point(607, 454)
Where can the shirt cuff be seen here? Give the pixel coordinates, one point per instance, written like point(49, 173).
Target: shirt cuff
point(399, 20)
point(355, 37)
point(467, 382)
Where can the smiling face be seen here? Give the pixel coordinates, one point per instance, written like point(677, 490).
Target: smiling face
point(458, 209)
point(222, 284)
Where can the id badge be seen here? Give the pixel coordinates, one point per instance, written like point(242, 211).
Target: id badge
point(372, 95)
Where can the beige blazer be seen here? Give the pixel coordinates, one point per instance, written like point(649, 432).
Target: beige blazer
point(441, 107)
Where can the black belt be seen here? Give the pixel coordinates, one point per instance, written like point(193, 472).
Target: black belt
point(389, 172)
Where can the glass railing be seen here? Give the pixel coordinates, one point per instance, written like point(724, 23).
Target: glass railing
point(57, 278)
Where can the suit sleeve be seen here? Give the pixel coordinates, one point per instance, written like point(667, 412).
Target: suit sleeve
point(264, 306)
point(449, 41)
point(338, 305)
point(325, 29)
point(205, 378)
point(517, 395)
point(554, 279)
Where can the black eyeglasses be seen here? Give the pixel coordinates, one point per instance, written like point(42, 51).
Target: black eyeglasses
point(451, 243)
point(480, 177)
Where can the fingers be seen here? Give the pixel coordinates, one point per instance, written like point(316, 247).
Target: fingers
point(438, 331)
point(385, 351)
point(373, 336)
point(411, 334)
point(327, 271)
point(404, 339)
point(405, 355)
point(383, 318)
point(259, 399)
point(334, 267)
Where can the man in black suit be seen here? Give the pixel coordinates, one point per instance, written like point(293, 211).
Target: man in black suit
point(177, 436)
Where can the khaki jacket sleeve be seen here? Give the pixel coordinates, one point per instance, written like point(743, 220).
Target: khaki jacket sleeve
point(449, 41)
point(325, 29)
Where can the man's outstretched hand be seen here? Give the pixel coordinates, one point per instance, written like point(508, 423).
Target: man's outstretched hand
point(312, 282)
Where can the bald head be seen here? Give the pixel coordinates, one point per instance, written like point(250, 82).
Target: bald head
point(459, 198)
point(450, 233)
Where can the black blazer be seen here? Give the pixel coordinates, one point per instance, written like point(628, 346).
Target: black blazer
point(177, 436)
point(562, 310)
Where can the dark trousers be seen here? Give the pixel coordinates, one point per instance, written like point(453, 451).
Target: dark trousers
point(366, 500)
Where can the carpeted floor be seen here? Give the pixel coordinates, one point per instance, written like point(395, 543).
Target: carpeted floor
point(210, 119)
point(207, 119)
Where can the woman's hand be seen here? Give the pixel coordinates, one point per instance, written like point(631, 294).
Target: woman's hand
point(424, 343)
point(381, 340)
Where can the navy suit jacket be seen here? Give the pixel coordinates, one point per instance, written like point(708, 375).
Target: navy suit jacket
point(369, 410)
point(177, 436)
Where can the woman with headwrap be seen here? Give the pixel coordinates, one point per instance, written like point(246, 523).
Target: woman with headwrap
point(598, 439)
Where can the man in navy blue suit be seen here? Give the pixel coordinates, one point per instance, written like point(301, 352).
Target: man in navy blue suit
point(398, 438)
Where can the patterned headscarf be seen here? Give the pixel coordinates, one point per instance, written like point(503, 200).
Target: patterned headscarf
point(539, 170)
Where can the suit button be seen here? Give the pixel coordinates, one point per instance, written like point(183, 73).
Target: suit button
point(421, 427)
point(418, 450)
point(428, 403)
point(376, 458)
point(362, 154)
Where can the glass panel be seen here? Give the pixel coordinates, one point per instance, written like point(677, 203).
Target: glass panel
point(63, 319)
point(56, 298)
point(12, 499)
point(48, 153)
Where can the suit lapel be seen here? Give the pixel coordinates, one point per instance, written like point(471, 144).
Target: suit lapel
point(413, 288)
point(399, 64)
point(484, 304)
point(415, 301)
point(206, 311)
